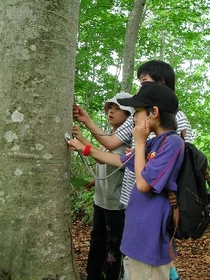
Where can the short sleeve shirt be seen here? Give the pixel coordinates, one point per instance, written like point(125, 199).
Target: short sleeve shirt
point(124, 133)
point(145, 236)
point(108, 184)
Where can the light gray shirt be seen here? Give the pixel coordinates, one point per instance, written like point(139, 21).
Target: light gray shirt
point(108, 191)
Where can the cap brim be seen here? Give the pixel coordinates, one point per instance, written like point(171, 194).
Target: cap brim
point(133, 102)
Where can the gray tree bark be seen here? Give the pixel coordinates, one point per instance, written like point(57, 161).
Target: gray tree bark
point(132, 30)
point(37, 55)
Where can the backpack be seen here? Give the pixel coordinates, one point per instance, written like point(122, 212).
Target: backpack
point(191, 216)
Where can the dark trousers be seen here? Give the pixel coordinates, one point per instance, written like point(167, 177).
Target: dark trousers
point(105, 258)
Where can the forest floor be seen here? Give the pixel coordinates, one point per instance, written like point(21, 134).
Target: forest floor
point(193, 262)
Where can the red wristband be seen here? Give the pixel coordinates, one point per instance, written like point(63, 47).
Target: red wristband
point(86, 150)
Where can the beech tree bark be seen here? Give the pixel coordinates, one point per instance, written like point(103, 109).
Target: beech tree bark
point(37, 55)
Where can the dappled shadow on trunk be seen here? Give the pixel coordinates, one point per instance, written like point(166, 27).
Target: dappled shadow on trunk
point(4, 275)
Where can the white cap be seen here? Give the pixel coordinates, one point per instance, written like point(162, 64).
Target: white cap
point(120, 95)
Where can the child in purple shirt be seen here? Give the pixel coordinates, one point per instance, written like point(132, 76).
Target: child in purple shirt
point(160, 172)
point(156, 163)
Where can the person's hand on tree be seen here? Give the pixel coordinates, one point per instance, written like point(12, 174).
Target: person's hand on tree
point(78, 135)
point(76, 145)
point(80, 114)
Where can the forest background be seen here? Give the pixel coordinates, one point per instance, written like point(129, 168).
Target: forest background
point(173, 31)
point(48, 59)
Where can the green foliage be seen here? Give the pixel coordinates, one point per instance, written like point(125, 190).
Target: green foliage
point(81, 201)
point(174, 31)
point(177, 33)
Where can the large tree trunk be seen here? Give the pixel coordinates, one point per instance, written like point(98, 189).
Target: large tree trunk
point(37, 55)
point(132, 30)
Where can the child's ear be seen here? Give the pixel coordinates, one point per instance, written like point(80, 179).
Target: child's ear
point(155, 111)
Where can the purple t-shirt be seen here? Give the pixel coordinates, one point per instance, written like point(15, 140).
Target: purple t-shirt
point(145, 236)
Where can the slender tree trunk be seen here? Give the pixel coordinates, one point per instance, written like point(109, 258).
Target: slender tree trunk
point(37, 55)
point(162, 49)
point(130, 44)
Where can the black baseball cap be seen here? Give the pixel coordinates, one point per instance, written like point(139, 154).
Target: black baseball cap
point(153, 94)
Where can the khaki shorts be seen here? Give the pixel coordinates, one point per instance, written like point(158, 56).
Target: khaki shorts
point(142, 271)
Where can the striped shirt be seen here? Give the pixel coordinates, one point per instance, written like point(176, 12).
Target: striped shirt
point(124, 133)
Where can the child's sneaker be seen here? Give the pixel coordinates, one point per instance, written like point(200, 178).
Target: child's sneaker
point(179, 278)
point(174, 274)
